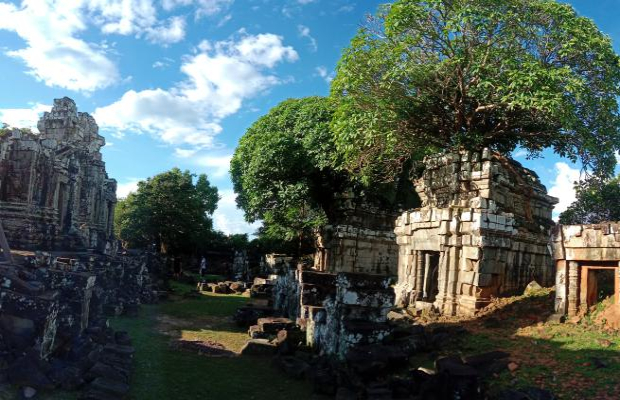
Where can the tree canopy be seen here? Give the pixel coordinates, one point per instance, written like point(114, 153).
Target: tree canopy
point(597, 201)
point(282, 169)
point(426, 75)
point(172, 210)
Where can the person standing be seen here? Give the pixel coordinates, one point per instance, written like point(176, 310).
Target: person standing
point(203, 266)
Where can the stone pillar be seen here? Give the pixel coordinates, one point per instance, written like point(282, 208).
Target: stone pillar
point(419, 275)
point(427, 271)
point(560, 287)
point(573, 288)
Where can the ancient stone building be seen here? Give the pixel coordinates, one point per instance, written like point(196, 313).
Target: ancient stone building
point(54, 189)
point(361, 240)
point(587, 265)
point(482, 231)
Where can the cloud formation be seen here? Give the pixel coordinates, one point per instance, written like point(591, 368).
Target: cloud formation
point(219, 77)
point(228, 218)
point(56, 53)
point(23, 117)
point(563, 186)
point(304, 32)
point(129, 186)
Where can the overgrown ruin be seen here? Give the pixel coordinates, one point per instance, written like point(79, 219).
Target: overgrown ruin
point(482, 232)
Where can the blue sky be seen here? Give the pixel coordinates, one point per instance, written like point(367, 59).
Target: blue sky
point(177, 82)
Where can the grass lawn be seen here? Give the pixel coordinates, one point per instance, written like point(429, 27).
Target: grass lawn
point(164, 372)
point(577, 360)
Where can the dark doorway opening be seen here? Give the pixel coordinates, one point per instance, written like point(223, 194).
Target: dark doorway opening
point(431, 276)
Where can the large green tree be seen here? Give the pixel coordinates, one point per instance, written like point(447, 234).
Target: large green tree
point(597, 201)
point(171, 210)
point(427, 75)
point(282, 169)
point(287, 172)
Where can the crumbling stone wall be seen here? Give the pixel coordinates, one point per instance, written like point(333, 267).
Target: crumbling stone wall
point(482, 231)
point(360, 240)
point(580, 251)
point(336, 311)
point(54, 189)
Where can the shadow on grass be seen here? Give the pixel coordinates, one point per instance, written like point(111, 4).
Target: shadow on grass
point(574, 361)
point(162, 371)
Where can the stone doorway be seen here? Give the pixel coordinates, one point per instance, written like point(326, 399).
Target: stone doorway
point(599, 283)
point(431, 276)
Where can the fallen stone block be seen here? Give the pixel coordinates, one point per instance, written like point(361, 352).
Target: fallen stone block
point(272, 325)
point(258, 347)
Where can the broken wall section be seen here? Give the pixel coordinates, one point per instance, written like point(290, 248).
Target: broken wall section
point(482, 231)
point(360, 240)
point(337, 311)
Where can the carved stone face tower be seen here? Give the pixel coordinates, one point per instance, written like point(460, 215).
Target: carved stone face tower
point(54, 189)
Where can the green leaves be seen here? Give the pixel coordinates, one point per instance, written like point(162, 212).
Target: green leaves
point(168, 210)
point(597, 201)
point(284, 169)
point(442, 74)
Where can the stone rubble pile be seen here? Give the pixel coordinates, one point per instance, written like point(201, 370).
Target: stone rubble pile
point(53, 325)
point(225, 287)
point(57, 207)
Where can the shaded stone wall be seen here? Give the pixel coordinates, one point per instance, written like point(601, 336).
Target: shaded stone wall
point(54, 189)
point(361, 240)
point(344, 310)
point(580, 252)
point(482, 231)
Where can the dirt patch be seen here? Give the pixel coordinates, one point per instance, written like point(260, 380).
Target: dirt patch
point(609, 317)
point(203, 348)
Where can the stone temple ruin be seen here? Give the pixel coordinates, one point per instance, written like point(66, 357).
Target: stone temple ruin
point(482, 231)
point(54, 190)
point(587, 265)
point(57, 207)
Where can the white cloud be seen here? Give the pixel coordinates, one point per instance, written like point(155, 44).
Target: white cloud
point(228, 218)
point(218, 166)
point(184, 153)
point(304, 32)
point(135, 17)
point(173, 33)
point(218, 79)
point(323, 73)
point(23, 117)
point(56, 55)
point(224, 20)
point(202, 7)
point(563, 186)
point(130, 186)
point(306, 1)
point(53, 53)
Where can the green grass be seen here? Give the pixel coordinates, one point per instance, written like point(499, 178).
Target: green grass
point(162, 372)
point(204, 304)
point(557, 357)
